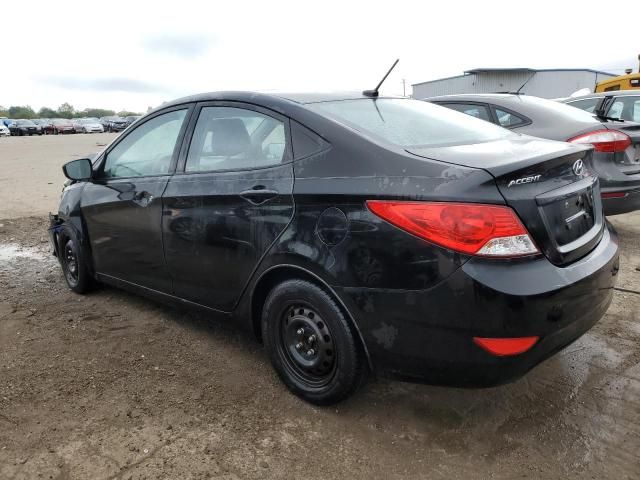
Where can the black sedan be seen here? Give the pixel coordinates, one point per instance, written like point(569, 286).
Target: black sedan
point(352, 234)
point(616, 159)
point(24, 127)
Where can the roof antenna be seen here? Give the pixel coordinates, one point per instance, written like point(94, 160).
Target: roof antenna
point(374, 92)
point(527, 81)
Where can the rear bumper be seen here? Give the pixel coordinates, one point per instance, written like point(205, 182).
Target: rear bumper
point(629, 203)
point(428, 335)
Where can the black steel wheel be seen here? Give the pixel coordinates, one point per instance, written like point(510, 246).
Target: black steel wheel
point(73, 263)
point(306, 342)
point(70, 263)
point(312, 345)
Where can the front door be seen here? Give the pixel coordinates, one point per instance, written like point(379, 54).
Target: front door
point(123, 205)
point(229, 203)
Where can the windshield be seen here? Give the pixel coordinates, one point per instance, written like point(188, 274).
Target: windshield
point(410, 123)
point(60, 122)
point(25, 123)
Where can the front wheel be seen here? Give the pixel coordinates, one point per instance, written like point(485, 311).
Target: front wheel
point(312, 345)
point(74, 267)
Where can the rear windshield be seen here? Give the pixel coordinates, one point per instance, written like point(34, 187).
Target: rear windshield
point(560, 109)
point(410, 123)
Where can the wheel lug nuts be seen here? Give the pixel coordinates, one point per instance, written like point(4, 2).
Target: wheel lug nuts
point(300, 331)
point(310, 352)
point(298, 345)
point(311, 339)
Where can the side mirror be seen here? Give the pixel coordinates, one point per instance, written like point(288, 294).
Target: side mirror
point(78, 169)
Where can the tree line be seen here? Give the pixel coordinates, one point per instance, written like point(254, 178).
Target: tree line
point(64, 111)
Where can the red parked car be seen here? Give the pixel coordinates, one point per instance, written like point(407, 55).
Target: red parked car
point(62, 125)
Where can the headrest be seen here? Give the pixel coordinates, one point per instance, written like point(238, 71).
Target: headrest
point(229, 136)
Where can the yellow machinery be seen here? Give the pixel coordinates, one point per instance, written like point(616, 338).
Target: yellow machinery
point(628, 81)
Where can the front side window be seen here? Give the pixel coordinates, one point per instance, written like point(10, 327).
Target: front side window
point(508, 119)
point(588, 104)
point(478, 111)
point(410, 123)
point(148, 149)
point(230, 138)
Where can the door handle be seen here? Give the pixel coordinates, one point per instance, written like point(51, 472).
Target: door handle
point(258, 194)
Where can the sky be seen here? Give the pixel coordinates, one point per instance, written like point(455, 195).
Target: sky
point(137, 54)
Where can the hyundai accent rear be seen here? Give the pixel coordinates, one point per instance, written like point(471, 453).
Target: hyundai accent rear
point(351, 234)
point(492, 258)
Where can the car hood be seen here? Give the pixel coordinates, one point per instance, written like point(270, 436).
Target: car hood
point(502, 156)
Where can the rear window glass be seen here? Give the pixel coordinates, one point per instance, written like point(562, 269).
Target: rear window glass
point(587, 104)
point(410, 123)
point(560, 109)
point(478, 111)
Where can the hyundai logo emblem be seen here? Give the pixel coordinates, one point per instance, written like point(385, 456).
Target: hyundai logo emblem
point(578, 167)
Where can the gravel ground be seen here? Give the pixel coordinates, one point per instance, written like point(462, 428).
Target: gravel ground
point(110, 385)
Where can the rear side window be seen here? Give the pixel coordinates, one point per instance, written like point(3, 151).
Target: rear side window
point(588, 104)
point(305, 142)
point(230, 138)
point(508, 119)
point(478, 111)
point(409, 123)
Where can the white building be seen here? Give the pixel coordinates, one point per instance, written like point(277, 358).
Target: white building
point(551, 83)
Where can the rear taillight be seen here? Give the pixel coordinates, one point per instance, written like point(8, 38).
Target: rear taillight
point(608, 141)
point(474, 229)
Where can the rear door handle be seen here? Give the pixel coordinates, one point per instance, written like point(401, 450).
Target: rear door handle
point(258, 194)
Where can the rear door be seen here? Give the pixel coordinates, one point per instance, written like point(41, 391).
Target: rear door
point(122, 206)
point(229, 201)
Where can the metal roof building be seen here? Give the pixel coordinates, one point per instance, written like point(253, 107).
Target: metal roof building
point(548, 83)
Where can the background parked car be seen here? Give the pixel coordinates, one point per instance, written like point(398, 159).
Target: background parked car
point(25, 127)
point(616, 159)
point(87, 125)
point(44, 124)
point(113, 123)
point(132, 119)
point(62, 125)
point(624, 105)
point(4, 130)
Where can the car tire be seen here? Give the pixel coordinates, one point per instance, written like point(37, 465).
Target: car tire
point(74, 267)
point(313, 347)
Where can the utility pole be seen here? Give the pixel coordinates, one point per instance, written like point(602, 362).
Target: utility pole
point(404, 82)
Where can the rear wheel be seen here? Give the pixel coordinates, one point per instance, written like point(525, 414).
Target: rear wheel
point(312, 346)
point(74, 267)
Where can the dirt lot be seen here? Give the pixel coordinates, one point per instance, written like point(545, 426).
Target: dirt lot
point(113, 386)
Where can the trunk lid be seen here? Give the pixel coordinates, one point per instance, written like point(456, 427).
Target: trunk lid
point(557, 201)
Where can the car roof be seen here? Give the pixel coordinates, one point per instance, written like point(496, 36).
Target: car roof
point(301, 98)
